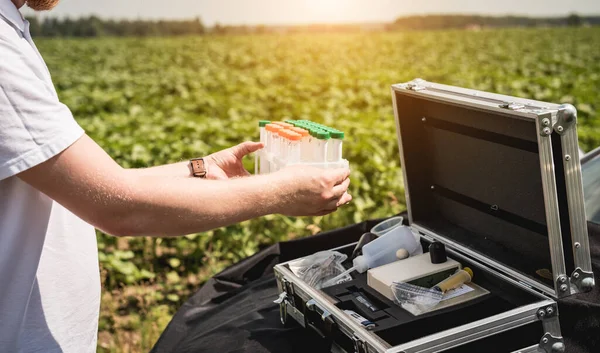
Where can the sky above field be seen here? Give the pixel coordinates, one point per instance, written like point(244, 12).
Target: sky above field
point(313, 11)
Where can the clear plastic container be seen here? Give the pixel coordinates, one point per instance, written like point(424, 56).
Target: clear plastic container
point(315, 148)
point(385, 226)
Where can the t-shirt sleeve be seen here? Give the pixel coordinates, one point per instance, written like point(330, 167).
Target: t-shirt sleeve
point(34, 124)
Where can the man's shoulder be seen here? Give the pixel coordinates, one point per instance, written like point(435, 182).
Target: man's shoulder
point(8, 31)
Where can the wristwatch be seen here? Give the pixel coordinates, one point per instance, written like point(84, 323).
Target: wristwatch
point(198, 167)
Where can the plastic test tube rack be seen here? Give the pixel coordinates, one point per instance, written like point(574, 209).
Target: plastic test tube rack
point(298, 142)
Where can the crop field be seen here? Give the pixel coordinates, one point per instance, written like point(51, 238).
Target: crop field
point(159, 100)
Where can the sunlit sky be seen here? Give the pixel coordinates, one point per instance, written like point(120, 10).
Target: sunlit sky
point(312, 11)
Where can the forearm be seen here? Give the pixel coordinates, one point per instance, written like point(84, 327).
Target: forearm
point(169, 206)
point(178, 169)
point(121, 202)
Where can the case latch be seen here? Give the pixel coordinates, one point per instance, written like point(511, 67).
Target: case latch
point(511, 105)
point(416, 84)
point(319, 319)
point(282, 301)
point(359, 345)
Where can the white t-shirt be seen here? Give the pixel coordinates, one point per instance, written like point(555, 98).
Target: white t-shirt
point(49, 276)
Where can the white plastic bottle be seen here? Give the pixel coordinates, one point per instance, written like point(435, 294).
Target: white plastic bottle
point(382, 250)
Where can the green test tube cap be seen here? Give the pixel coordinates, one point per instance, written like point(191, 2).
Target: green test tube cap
point(336, 134)
point(263, 123)
point(323, 135)
point(313, 131)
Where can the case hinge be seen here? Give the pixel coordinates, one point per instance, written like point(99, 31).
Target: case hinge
point(547, 312)
point(359, 345)
point(552, 344)
point(584, 281)
point(546, 125)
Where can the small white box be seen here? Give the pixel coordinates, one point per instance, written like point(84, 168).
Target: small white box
point(409, 270)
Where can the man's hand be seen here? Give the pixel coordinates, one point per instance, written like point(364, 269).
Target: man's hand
point(227, 163)
point(309, 191)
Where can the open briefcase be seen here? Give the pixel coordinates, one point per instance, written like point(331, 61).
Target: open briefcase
point(497, 180)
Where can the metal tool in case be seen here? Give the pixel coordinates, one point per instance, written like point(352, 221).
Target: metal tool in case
point(497, 180)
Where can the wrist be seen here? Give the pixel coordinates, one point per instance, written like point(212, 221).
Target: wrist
point(276, 192)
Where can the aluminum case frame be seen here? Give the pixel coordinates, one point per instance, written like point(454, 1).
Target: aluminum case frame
point(548, 117)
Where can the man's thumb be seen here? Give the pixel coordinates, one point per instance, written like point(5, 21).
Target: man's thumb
point(246, 148)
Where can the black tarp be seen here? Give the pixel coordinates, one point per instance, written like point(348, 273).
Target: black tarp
point(234, 310)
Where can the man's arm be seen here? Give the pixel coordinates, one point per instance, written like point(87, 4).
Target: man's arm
point(220, 165)
point(85, 180)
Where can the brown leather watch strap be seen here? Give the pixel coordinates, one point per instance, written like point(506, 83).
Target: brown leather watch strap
point(198, 166)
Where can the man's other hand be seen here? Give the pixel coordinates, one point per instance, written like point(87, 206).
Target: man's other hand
point(227, 163)
point(309, 191)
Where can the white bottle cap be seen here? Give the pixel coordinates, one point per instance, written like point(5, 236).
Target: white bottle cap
point(360, 264)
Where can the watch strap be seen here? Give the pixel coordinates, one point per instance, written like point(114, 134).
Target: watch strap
point(198, 166)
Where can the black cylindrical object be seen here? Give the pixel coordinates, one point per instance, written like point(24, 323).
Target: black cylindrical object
point(437, 253)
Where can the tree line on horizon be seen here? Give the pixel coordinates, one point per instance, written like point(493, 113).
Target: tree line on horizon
point(95, 27)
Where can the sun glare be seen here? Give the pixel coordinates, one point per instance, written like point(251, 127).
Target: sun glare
point(326, 10)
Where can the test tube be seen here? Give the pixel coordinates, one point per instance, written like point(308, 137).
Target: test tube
point(271, 132)
point(334, 150)
point(312, 145)
point(283, 146)
point(303, 144)
point(263, 139)
point(263, 134)
point(321, 151)
point(294, 142)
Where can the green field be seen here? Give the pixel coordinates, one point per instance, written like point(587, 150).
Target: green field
point(160, 100)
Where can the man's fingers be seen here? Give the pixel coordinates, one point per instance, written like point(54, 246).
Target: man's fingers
point(336, 204)
point(339, 175)
point(246, 148)
point(344, 199)
point(340, 201)
point(341, 188)
point(326, 212)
